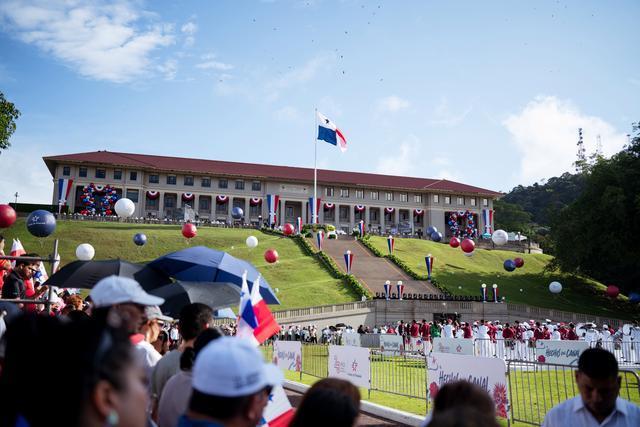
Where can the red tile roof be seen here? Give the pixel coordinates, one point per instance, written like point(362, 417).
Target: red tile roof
point(216, 167)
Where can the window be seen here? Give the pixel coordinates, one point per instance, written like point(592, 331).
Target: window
point(154, 179)
point(289, 213)
point(101, 173)
point(151, 204)
point(256, 186)
point(204, 204)
point(404, 197)
point(222, 208)
point(460, 200)
point(374, 195)
point(344, 213)
point(436, 198)
point(222, 183)
point(82, 172)
point(169, 202)
point(239, 185)
point(417, 198)
point(132, 195)
point(485, 202)
point(133, 176)
point(328, 191)
point(255, 210)
point(117, 174)
point(389, 196)
point(359, 194)
point(188, 180)
point(373, 215)
point(205, 182)
point(171, 180)
point(447, 200)
point(344, 192)
point(66, 171)
point(472, 200)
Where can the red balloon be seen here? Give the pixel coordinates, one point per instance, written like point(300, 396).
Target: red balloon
point(271, 256)
point(467, 245)
point(612, 291)
point(189, 230)
point(288, 229)
point(519, 262)
point(7, 216)
point(454, 242)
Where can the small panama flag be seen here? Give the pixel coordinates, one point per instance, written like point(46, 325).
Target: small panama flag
point(387, 289)
point(429, 261)
point(278, 412)
point(391, 243)
point(348, 261)
point(361, 228)
point(329, 132)
point(400, 287)
point(255, 321)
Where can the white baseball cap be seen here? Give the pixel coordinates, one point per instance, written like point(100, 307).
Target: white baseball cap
point(233, 367)
point(114, 290)
point(153, 312)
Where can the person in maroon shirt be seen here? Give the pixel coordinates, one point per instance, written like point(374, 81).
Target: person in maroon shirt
point(538, 333)
point(425, 330)
point(571, 334)
point(546, 333)
point(492, 331)
point(468, 333)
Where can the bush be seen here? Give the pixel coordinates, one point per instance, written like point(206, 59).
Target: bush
point(332, 236)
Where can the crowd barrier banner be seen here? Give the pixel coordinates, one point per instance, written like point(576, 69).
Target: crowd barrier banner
point(351, 364)
point(486, 372)
point(560, 352)
point(390, 344)
point(351, 339)
point(453, 346)
point(287, 355)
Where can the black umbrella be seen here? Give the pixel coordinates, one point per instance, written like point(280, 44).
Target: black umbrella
point(85, 274)
point(214, 294)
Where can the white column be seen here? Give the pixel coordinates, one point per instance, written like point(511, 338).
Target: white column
point(247, 210)
point(381, 216)
point(396, 217)
point(161, 206)
point(352, 216)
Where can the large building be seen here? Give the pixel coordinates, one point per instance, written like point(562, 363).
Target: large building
point(161, 187)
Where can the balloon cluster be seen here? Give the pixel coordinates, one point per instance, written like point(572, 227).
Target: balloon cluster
point(512, 264)
point(468, 230)
point(98, 200)
point(434, 234)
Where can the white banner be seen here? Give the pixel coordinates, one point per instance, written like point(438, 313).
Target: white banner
point(390, 344)
point(351, 364)
point(453, 346)
point(351, 339)
point(287, 355)
point(560, 352)
point(489, 373)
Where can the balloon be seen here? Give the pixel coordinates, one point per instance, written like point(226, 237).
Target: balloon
point(41, 223)
point(237, 213)
point(467, 245)
point(140, 239)
point(469, 254)
point(252, 241)
point(436, 236)
point(500, 237)
point(189, 230)
point(85, 252)
point(519, 262)
point(124, 207)
point(431, 230)
point(7, 216)
point(555, 287)
point(634, 297)
point(454, 242)
point(288, 229)
point(271, 256)
point(612, 291)
point(509, 265)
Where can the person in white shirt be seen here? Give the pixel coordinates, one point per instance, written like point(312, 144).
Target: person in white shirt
point(500, 350)
point(598, 403)
point(607, 339)
point(555, 335)
point(483, 339)
point(635, 337)
point(447, 330)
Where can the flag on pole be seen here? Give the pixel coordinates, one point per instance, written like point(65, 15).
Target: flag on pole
point(487, 216)
point(387, 289)
point(299, 225)
point(400, 287)
point(429, 260)
point(314, 208)
point(329, 132)
point(320, 239)
point(361, 228)
point(64, 188)
point(348, 260)
point(272, 207)
point(391, 243)
point(255, 321)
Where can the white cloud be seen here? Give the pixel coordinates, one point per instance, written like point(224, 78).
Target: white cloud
point(404, 160)
point(169, 69)
point(392, 104)
point(299, 75)
point(189, 29)
point(444, 115)
point(34, 184)
point(214, 65)
point(287, 113)
point(545, 133)
point(100, 40)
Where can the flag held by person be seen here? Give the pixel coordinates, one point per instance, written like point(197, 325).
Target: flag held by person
point(255, 320)
point(329, 132)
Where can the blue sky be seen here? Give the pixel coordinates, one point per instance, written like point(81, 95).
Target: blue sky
point(487, 93)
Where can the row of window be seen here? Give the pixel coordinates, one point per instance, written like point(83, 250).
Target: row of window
point(404, 197)
point(83, 172)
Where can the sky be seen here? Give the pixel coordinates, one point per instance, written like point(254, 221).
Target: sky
point(489, 93)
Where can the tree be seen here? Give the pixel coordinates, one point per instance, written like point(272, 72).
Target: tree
point(8, 116)
point(510, 216)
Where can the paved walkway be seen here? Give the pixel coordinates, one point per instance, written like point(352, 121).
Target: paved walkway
point(371, 270)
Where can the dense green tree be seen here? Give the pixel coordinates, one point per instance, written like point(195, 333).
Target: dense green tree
point(511, 216)
point(8, 116)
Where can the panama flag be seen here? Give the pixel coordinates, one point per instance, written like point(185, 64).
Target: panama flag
point(299, 225)
point(400, 287)
point(361, 228)
point(320, 238)
point(429, 260)
point(348, 260)
point(278, 412)
point(329, 132)
point(314, 208)
point(272, 206)
point(391, 243)
point(387, 289)
point(64, 188)
point(16, 250)
point(255, 321)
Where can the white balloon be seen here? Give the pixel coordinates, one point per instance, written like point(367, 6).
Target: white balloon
point(252, 241)
point(469, 254)
point(85, 252)
point(555, 287)
point(125, 208)
point(500, 237)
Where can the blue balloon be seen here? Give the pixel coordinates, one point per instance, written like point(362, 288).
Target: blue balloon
point(634, 297)
point(509, 265)
point(140, 239)
point(41, 223)
point(436, 236)
point(237, 212)
point(431, 230)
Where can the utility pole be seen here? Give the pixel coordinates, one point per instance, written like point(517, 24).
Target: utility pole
point(16, 195)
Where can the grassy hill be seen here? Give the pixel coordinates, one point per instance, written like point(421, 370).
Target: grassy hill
point(301, 281)
point(527, 285)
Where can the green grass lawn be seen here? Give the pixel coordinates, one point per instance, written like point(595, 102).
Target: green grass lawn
point(300, 279)
point(527, 285)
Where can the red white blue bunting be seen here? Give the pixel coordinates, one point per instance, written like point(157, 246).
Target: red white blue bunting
point(255, 201)
point(359, 208)
point(389, 210)
point(418, 212)
point(152, 195)
point(222, 199)
point(187, 197)
point(329, 206)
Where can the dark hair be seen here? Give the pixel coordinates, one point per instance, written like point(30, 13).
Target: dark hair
point(329, 402)
point(463, 417)
point(463, 394)
point(218, 407)
point(598, 363)
point(188, 357)
point(194, 318)
point(22, 261)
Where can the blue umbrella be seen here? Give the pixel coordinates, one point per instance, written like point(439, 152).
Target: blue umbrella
point(202, 264)
point(224, 313)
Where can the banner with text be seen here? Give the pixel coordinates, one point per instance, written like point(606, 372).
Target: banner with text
point(488, 373)
point(560, 352)
point(351, 339)
point(287, 355)
point(391, 344)
point(452, 346)
point(351, 364)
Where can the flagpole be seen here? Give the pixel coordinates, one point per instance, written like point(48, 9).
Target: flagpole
point(314, 208)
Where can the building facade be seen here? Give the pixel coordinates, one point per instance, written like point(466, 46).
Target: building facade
point(162, 187)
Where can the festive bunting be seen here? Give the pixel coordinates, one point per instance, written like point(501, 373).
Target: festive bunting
point(187, 197)
point(391, 244)
point(389, 210)
point(400, 287)
point(359, 208)
point(361, 228)
point(152, 195)
point(255, 201)
point(487, 217)
point(348, 260)
point(387, 289)
point(222, 199)
point(299, 225)
point(314, 218)
point(429, 260)
point(329, 206)
point(418, 212)
point(320, 239)
point(273, 201)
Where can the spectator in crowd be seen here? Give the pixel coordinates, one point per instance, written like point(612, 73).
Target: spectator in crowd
point(459, 396)
point(231, 385)
point(5, 264)
point(14, 286)
point(598, 403)
point(342, 397)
